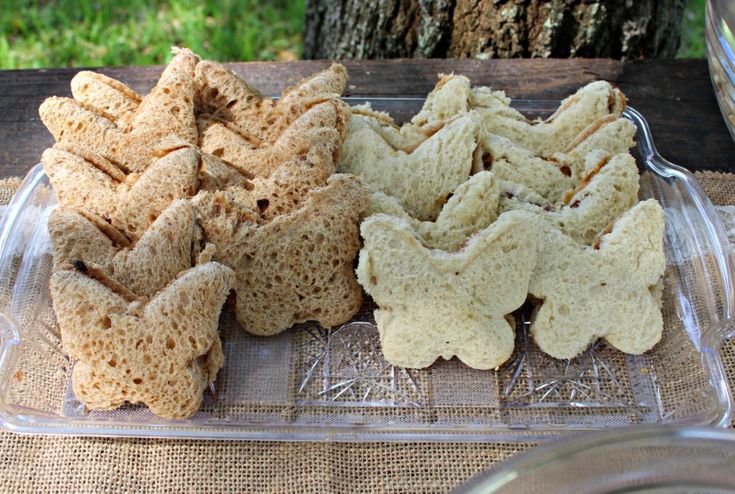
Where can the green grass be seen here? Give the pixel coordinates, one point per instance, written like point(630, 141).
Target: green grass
point(692, 31)
point(78, 33)
point(69, 33)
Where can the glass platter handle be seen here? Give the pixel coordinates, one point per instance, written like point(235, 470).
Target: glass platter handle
point(19, 258)
point(688, 207)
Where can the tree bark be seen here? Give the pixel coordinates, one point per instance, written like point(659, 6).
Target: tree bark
point(624, 29)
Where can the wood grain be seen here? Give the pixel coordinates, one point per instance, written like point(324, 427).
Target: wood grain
point(676, 96)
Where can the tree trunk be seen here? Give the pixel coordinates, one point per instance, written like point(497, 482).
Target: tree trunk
point(624, 29)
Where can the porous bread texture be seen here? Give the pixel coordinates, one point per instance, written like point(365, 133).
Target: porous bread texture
point(302, 158)
point(162, 352)
point(130, 202)
point(452, 96)
point(421, 180)
point(436, 304)
point(548, 177)
point(608, 190)
point(109, 95)
point(131, 135)
point(610, 290)
point(163, 251)
point(472, 207)
point(552, 176)
point(299, 266)
point(223, 94)
point(317, 127)
point(586, 109)
point(611, 135)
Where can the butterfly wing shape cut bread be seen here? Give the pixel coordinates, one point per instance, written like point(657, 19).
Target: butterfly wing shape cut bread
point(421, 180)
point(167, 248)
point(552, 176)
point(610, 290)
point(224, 95)
point(302, 158)
point(609, 189)
point(472, 207)
point(162, 352)
point(579, 114)
point(130, 138)
point(295, 268)
point(86, 181)
point(436, 304)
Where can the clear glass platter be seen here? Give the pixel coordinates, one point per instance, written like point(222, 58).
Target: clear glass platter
point(312, 383)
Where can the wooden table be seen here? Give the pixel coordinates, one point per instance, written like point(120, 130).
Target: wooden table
point(675, 96)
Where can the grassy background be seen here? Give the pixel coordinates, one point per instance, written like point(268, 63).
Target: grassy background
point(74, 33)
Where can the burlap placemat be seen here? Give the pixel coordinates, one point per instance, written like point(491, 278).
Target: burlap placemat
point(64, 464)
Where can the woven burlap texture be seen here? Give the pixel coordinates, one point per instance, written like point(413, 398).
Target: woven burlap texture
point(65, 464)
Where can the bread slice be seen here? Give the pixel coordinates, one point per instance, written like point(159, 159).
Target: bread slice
point(453, 96)
point(609, 290)
point(421, 180)
point(608, 190)
point(578, 113)
point(106, 94)
point(225, 95)
point(299, 266)
point(163, 251)
point(609, 135)
point(162, 352)
point(450, 98)
point(315, 128)
point(548, 177)
point(472, 207)
point(131, 205)
point(436, 304)
point(128, 138)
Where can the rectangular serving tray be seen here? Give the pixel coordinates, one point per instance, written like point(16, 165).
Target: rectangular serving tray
point(312, 383)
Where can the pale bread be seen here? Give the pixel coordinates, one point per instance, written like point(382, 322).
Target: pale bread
point(584, 110)
point(610, 292)
point(452, 97)
point(472, 207)
point(608, 190)
point(422, 180)
point(435, 304)
point(548, 177)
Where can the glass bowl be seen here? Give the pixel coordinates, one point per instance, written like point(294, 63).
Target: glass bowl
point(720, 36)
point(644, 459)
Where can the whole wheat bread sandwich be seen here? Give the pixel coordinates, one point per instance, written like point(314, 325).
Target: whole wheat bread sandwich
point(169, 246)
point(86, 181)
point(109, 119)
point(296, 267)
point(161, 351)
point(224, 95)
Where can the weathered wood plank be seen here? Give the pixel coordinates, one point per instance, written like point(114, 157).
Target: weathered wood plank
point(676, 96)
